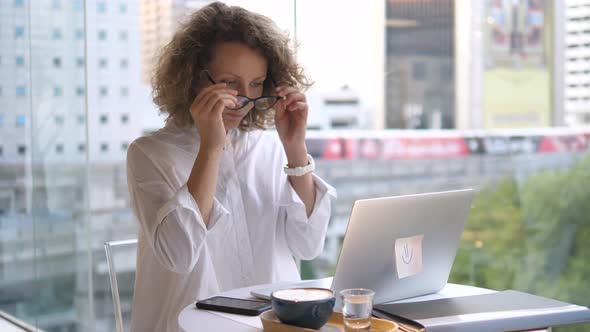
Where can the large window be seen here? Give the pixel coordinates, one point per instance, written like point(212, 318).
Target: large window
point(409, 97)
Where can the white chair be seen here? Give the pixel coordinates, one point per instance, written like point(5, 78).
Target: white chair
point(121, 258)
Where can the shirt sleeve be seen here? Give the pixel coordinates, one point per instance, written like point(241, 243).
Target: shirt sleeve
point(169, 217)
point(305, 236)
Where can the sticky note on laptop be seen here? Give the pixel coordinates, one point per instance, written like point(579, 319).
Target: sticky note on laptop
point(408, 256)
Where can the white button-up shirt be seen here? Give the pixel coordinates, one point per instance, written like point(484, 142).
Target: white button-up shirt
point(257, 224)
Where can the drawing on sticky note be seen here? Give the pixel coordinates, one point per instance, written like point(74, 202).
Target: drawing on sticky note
point(408, 256)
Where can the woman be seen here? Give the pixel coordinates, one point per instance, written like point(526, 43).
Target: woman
point(222, 203)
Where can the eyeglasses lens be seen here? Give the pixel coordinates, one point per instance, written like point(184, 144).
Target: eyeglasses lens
point(263, 104)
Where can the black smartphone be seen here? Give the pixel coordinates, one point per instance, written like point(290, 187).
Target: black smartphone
point(234, 306)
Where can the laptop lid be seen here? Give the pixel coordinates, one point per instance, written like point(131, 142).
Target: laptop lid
point(402, 246)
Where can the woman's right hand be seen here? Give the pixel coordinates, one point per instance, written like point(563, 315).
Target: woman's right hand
point(206, 111)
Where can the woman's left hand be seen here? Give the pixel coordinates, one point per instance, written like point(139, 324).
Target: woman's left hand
point(291, 120)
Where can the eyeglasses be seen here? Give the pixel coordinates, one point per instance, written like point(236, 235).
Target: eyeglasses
point(260, 104)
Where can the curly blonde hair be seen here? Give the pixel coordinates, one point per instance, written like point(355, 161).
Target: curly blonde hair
point(177, 74)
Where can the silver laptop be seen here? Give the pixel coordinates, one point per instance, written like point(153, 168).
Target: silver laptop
point(400, 247)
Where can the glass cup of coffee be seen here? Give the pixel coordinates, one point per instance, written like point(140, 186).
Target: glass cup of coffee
point(357, 306)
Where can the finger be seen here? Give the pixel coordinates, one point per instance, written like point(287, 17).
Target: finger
point(221, 87)
point(280, 109)
point(206, 103)
point(214, 87)
point(206, 90)
point(298, 106)
point(294, 97)
point(221, 105)
point(280, 105)
point(221, 92)
point(213, 98)
point(285, 90)
point(290, 93)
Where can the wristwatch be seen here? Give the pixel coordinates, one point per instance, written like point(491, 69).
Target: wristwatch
point(301, 170)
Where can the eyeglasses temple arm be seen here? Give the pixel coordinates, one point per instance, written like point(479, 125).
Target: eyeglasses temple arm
point(272, 80)
point(209, 76)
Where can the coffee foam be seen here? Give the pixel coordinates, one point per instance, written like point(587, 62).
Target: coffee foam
point(302, 294)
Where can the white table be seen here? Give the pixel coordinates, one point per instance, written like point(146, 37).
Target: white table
point(192, 319)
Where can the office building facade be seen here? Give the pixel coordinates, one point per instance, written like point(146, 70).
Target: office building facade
point(577, 62)
point(419, 66)
point(158, 21)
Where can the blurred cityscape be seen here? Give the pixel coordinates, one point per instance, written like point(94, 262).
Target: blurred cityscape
point(74, 88)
